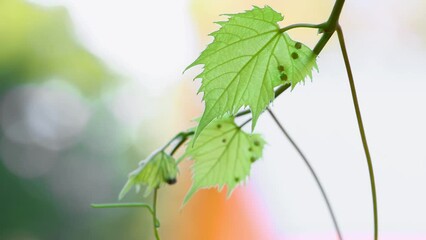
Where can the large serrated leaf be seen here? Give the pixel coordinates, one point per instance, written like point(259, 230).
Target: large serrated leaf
point(222, 155)
point(247, 59)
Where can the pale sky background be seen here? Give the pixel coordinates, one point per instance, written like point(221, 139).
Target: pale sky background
point(151, 42)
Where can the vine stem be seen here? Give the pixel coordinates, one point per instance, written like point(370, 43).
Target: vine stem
point(330, 26)
point(360, 126)
point(183, 136)
point(154, 215)
point(311, 169)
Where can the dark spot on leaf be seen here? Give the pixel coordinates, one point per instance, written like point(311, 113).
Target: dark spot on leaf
point(281, 68)
point(284, 77)
point(295, 55)
point(237, 179)
point(219, 126)
point(250, 149)
point(256, 143)
point(224, 140)
point(253, 159)
point(298, 45)
point(171, 181)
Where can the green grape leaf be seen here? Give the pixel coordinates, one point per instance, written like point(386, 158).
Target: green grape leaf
point(247, 59)
point(155, 170)
point(222, 155)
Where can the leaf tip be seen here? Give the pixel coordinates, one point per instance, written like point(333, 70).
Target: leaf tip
point(189, 195)
point(125, 190)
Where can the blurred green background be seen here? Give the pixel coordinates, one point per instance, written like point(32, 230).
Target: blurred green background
point(60, 146)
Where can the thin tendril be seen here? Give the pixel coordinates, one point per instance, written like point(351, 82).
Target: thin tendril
point(361, 127)
point(242, 125)
point(123, 205)
point(311, 169)
point(128, 205)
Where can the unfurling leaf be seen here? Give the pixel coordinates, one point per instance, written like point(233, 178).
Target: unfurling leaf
point(222, 155)
point(155, 170)
point(247, 59)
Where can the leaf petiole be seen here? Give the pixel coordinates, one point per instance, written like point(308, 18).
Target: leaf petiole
point(303, 25)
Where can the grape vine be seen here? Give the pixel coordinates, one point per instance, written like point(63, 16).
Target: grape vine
point(250, 62)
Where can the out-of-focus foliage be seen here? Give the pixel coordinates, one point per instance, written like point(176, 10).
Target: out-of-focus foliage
point(61, 146)
point(37, 44)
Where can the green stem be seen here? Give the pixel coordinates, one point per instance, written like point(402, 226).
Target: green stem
point(177, 136)
point(333, 20)
point(243, 124)
point(302, 25)
point(360, 126)
point(183, 137)
point(311, 169)
point(330, 26)
point(278, 92)
point(154, 215)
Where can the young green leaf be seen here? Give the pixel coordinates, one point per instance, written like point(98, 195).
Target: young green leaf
point(248, 57)
point(222, 155)
point(158, 168)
